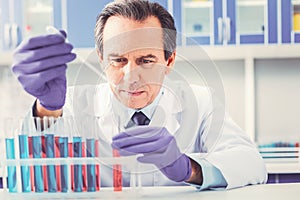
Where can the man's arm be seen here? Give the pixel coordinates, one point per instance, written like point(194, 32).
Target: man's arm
point(40, 111)
point(196, 176)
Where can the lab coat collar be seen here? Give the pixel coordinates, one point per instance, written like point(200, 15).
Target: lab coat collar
point(165, 115)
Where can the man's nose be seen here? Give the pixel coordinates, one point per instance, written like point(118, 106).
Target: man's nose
point(131, 72)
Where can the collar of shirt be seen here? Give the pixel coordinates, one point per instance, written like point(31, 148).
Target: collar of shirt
point(124, 113)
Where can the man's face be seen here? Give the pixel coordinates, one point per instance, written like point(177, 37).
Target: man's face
point(133, 57)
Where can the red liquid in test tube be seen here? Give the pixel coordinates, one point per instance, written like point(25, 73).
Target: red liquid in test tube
point(117, 173)
point(97, 166)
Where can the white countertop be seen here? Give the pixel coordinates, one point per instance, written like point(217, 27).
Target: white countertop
point(256, 192)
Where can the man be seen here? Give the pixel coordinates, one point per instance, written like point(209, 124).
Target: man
point(170, 125)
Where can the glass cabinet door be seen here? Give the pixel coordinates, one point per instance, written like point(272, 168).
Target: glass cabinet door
point(256, 21)
point(251, 21)
point(290, 21)
point(295, 34)
point(195, 20)
point(198, 20)
point(37, 16)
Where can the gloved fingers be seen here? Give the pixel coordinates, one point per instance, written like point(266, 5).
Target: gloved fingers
point(63, 32)
point(30, 56)
point(141, 131)
point(43, 65)
point(150, 158)
point(40, 41)
point(143, 146)
point(133, 140)
point(35, 83)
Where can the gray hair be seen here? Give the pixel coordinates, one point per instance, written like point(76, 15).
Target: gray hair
point(138, 10)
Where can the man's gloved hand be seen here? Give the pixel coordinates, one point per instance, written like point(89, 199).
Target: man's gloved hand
point(158, 147)
point(40, 66)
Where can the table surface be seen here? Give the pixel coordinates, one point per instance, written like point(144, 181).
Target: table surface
point(267, 191)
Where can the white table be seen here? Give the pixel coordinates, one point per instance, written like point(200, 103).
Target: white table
point(270, 191)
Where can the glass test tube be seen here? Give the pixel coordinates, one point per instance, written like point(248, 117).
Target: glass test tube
point(49, 143)
point(63, 149)
point(91, 175)
point(25, 170)
point(11, 170)
point(37, 153)
point(77, 152)
point(117, 173)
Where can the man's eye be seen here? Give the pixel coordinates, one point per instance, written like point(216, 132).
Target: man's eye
point(146, 61)
point(118, 62)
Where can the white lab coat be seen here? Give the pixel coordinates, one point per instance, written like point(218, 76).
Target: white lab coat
point(201, 128)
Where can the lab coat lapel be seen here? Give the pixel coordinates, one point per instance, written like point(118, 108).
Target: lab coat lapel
point(166, 113)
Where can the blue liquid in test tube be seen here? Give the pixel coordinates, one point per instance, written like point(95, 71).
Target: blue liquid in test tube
point(91, 175)
point(77, 148)
point(63, 150)
point(11, 170)
point(25, 170)
point(38, 173)
point(51, 172)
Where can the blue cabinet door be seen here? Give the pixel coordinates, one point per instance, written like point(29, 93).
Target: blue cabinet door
point(290, 21)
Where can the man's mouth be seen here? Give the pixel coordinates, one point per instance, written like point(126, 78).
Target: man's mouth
point(133, 93)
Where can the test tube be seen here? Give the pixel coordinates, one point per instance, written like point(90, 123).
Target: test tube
point(91, 175)
point(25, 170)
point(37, 153)
point(98, 184)
point(77, 152)
point(57, 167)
point(10, 154)
point(117, 173)
point(49, 143)
point(63, 150)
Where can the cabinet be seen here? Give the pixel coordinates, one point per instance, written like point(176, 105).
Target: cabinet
point(222, 22)
point(290, 20)
point(23, 19)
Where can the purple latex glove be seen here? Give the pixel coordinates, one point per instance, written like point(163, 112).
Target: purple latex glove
point(40, 66)
point(158, 147)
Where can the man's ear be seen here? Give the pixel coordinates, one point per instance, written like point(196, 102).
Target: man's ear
point(170, 62)
point(100, 55)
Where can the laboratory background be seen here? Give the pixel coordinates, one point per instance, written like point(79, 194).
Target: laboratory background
point(254, 44)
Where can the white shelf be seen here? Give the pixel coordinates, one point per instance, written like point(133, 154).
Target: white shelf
point(198, 4)
point(239, 52)
point(283, 168)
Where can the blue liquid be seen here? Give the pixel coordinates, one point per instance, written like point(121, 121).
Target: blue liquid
point(63, 150)
point(91, 174)
point(51, 172)
point(38, 173)
point(77, 148)
point(11, 170)
point(25, 170)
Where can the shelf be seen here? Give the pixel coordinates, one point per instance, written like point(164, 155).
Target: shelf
point(251, 3)
point(198, 4)
point(239, 52)
point(283, 168)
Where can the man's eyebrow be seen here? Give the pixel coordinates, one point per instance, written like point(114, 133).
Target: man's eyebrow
point(149, 56)
point(113, 55)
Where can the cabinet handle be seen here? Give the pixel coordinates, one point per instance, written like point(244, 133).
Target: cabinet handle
point(228, 27)
point(220, 30)
point(14, 35)
point(7, 36)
